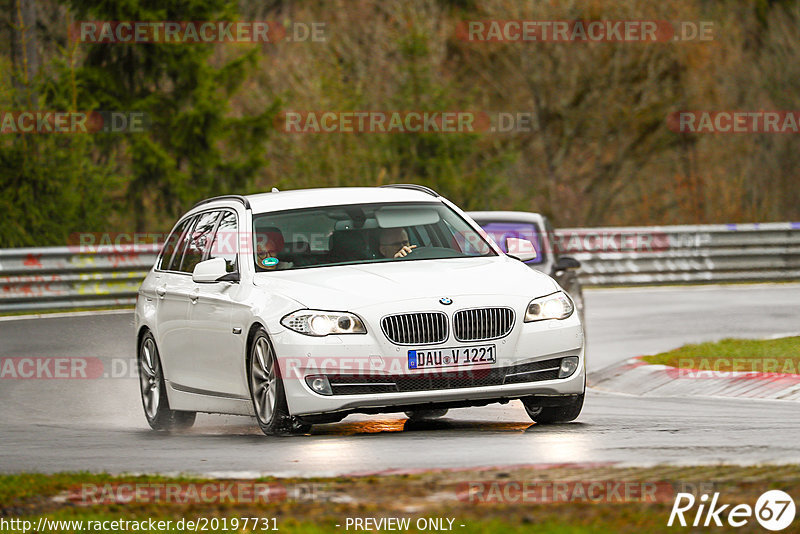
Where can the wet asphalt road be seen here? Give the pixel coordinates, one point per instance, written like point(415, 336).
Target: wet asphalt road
point(97, 425)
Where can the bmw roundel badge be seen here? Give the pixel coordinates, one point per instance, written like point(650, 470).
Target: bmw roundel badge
point(446, 301)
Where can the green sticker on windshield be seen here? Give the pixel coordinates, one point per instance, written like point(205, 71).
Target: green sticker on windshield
point(270, 262)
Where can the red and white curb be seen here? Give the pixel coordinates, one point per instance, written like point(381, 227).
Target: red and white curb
point(637, 377)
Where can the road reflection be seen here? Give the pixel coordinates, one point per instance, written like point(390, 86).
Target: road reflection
point(348, 428)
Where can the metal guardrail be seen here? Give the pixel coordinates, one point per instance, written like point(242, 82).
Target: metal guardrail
point(75, 277)
point(686, 254)
point(72, 277)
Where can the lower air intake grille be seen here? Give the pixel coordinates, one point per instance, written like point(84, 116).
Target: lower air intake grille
point(467, 378)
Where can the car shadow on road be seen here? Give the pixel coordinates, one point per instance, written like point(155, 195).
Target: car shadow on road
point(407, 425)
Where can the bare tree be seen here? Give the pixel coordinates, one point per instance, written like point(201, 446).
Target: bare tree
point(24, 50)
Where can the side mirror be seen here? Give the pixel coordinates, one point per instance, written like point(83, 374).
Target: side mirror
point(565, 263)
point(213, 270)
point(521, 249)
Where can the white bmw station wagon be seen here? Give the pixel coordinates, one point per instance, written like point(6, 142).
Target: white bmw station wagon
point(301, 307)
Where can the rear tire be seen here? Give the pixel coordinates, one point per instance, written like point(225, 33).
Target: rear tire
point(267, 392)
point(555, 414)
point(421, 415)
point(154, 390)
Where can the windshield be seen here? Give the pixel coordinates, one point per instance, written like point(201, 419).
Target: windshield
point(362, 233)
point(499, 231)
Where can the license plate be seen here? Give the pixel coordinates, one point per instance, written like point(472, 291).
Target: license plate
point(451, 357)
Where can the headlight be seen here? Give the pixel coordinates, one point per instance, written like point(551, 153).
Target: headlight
point(555, 306)
point(323, 323)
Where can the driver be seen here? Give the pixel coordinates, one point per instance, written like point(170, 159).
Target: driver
point(394, 243)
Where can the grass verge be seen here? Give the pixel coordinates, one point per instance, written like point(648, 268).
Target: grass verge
point(559, 499)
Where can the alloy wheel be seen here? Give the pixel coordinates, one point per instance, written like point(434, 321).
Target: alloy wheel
point(150, 377)
point(263, 380)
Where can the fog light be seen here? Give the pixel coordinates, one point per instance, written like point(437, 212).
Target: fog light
point(319, 384)
point(568, 366)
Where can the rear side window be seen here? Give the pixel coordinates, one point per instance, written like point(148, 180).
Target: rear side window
point(226, 241)
point(175, 264)
point(171, 244)
point(198, 241)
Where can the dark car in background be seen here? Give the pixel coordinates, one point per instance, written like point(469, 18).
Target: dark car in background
point(533, 227)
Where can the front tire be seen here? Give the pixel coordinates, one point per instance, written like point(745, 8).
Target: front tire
point(267, 392)
point(555, 414)
point(154, 391)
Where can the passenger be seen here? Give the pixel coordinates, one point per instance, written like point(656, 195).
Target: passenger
point(269, 244)
point(394, 243)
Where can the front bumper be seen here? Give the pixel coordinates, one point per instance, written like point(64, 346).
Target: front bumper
point(373, 359)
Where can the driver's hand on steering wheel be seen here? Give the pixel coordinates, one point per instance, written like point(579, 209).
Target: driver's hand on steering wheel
point(405, 251)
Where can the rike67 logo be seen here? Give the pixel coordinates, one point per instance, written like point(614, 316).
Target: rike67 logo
point(774, 510)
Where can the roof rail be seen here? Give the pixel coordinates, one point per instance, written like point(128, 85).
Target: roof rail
point(414, 187)
point(240, 198)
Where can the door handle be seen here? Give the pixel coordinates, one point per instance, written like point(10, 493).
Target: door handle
point(194, 296)
point(161, 291)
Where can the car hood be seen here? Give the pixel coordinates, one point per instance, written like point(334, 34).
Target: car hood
point(352, 286)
